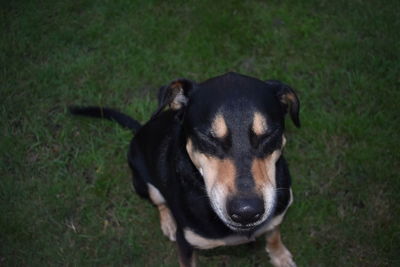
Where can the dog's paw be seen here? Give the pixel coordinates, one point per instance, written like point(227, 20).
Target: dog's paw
point(281, 258)
point(168, 225)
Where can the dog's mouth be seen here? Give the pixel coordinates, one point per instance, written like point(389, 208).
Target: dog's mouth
point(242, 228)
point(248, 227)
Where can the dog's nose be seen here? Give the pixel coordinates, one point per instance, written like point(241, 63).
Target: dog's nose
point(245, 210)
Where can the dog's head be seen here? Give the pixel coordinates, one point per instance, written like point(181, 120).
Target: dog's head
point(234, 130)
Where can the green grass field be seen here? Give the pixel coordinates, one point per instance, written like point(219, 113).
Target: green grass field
point(65, 188)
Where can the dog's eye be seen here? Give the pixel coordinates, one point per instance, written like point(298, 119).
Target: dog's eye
point(267, 141)
point(207, 143)
point(207, 140)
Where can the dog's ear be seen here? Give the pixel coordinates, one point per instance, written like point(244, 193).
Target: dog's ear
point(288, 98)
point(175, 95)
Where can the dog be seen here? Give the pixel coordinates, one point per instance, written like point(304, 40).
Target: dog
point(210, 159)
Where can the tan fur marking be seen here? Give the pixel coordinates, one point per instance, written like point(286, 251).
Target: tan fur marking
point(259, 171)
point(218, 126)
point(291, 97)
point(226, 173)
point(195, 157)
point(167, 221)
point(155, 195)
point(274, 241)
point(214, 170)
point(259, 124)
point(218, 175)
point(279, 254)
point(263, 170)
point(288, 98)
point(178, 97)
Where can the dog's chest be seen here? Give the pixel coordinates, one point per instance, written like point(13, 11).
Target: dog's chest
point(201, 242)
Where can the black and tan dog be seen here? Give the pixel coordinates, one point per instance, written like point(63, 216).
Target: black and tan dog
point(210, 159)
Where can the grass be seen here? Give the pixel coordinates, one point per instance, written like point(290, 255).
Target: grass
point(65, 193)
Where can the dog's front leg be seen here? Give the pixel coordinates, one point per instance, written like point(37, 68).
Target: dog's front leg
point(279, 254)
point(185, 250)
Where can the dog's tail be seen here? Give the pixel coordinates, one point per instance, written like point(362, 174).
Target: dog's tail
point(106, 113)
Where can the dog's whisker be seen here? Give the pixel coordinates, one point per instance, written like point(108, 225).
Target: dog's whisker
point(282, 188)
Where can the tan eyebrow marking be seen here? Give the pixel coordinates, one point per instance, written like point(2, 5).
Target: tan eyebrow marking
point(218, 126)
point(259, 124)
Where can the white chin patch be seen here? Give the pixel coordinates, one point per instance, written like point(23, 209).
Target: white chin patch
point(201, 171)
